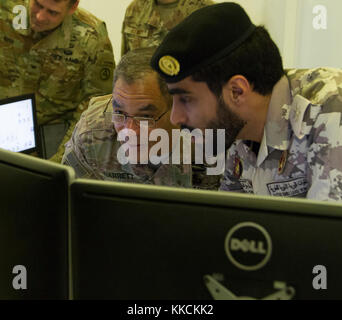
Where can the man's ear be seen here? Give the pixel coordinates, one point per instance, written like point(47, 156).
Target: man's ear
point(74, 7)
point(235, 90)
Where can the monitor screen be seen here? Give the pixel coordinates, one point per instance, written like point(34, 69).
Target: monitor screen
point(145, 242)
point(34, 204)
point(18, 126)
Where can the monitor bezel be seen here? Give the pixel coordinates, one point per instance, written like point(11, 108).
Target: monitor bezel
point(43, 167)
point(32, 97)
point(288, 205)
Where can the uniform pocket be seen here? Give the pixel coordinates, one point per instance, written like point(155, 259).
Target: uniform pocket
point(61, 76)
point(136, 37)
point(142, 36)
point(135, 31)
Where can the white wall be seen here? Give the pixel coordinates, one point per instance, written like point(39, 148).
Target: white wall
point(319, 47)
point(288, 21)
point(112, 12)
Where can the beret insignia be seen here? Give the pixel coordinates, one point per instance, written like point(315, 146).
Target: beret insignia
point(169, 65)
point(198, 41)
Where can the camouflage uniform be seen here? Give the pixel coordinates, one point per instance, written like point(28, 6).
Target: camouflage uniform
point(144, 27)
point(200, 179)
point(301, 151)
point(64, 68)
point(92, 152)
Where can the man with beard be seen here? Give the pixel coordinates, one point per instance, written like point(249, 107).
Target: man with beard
point(283, 129)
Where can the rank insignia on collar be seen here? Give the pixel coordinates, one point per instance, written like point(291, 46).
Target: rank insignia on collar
point(282, 162)
point(169, 65)
point(237, 167)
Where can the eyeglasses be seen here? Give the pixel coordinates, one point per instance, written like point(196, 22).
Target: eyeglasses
point(120, 119)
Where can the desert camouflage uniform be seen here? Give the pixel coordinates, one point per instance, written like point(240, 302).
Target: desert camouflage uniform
point(64, 68)
point(144, 27)
point(92, 152)
point(301, 152)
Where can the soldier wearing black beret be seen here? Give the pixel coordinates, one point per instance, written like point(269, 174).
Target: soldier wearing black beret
point(280, 127)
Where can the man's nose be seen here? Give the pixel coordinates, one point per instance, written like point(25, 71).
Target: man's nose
point(41, 15)
point(178, 115)
point(130, 123)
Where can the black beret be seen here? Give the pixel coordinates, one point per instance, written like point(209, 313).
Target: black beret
point(205, 36)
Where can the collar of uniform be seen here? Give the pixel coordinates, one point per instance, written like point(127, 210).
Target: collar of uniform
point(59, 38)
point(276, 128)
point(263, 150)
point(276, 132)
point(66, 30)
point(155, 18)
point(246, 153)
point(168, 5)
point(295, 113)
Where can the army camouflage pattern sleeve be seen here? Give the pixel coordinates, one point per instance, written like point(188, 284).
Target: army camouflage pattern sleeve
point(324, 157)
point(75, 154)
point(323, 87)
point(97, 81)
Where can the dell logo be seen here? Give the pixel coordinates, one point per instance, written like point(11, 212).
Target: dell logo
point(248, 246)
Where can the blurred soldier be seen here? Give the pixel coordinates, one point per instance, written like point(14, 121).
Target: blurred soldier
point(283, 130)
point(138, 95)
point(147, 22)
point(60, 53)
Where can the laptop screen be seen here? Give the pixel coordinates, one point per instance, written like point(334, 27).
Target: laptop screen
point(18, 125)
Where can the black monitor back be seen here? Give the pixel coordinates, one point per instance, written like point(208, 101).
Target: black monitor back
point(145, 242)
point(34, 196)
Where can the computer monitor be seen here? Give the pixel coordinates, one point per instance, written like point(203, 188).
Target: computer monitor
point(34, 199)
point(18, 124)
point(133, 241)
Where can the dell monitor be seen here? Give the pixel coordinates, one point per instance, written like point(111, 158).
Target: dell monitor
point(132, 241)
point(34, 206)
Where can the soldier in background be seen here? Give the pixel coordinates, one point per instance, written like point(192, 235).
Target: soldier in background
point(283, 129)
point(138, 95)
point(63, 55)
point(147, 22)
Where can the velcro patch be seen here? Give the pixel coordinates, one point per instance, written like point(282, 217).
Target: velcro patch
point(119, 175)
point(73, 162)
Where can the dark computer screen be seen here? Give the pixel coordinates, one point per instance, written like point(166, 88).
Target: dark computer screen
point(34, 197)
point(145, 242)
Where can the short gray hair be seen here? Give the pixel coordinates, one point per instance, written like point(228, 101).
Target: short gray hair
point(135, 65)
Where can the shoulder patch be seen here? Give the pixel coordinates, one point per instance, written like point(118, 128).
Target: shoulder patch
point(87, 18)
point(93, 117)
